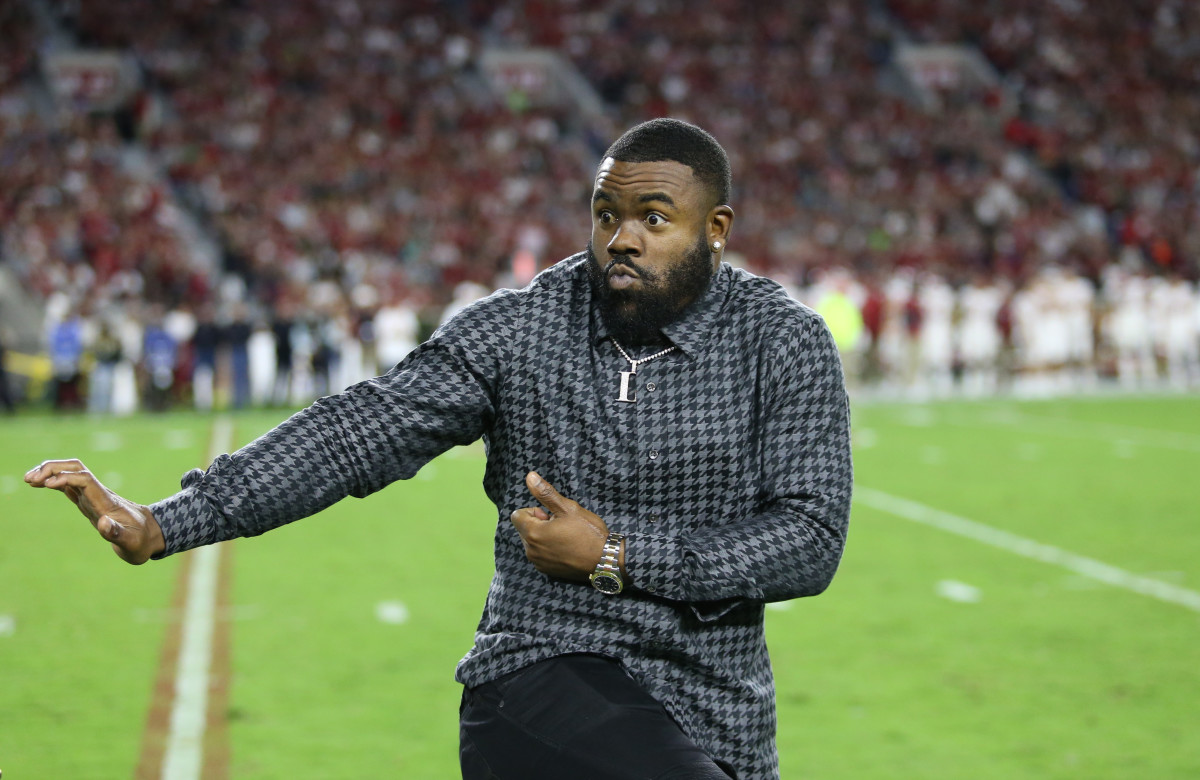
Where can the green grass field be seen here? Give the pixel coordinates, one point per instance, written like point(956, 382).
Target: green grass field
point(996, 616)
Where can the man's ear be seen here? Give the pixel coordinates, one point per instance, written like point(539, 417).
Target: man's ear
point(720, 223)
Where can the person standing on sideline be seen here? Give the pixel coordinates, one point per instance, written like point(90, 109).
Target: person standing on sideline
point(107, 354)
point(206, 342)
point(668, 451)
point(236, 338)
point(160, 356)
point(66, 345)
point(282, 322)
point(7, 403)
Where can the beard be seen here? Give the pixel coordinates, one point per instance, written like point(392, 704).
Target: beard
point(635, 317)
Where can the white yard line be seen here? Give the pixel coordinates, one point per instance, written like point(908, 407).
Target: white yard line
point(184, 756)
point(1027, 548)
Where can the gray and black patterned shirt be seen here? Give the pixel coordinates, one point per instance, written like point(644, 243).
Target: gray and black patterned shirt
point(730, 475)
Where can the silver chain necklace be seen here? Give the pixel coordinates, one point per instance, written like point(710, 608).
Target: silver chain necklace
point(627, 388)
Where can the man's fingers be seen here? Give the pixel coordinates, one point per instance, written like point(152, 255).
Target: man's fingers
point(131, 529)
point(524, 518)
point(545, 493)
point(82, 481)
point(38, 475)
point(84, 490)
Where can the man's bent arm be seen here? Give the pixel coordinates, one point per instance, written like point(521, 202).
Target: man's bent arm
point(791, 544)
point(350, 444)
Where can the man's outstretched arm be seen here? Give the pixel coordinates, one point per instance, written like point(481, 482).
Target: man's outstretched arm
point(131, 528)
point(350, 444)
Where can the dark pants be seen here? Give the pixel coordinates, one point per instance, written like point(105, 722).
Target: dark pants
point(574, 717)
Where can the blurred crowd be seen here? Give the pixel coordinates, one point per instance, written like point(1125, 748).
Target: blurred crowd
point(361, 179)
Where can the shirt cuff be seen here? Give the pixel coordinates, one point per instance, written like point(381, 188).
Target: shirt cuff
point(655, 563)
point(184, 520)
point(663, 566)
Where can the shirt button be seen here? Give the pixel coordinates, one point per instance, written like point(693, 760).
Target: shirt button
point(653, 454)
point(651, 589)
point(653, 518)
point(651, 386)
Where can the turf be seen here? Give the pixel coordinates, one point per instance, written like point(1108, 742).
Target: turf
point(931, 656)
point(317, 671)
point(85, 630)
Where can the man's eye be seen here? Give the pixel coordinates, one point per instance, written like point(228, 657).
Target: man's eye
point(606, 218)
point(654, 220)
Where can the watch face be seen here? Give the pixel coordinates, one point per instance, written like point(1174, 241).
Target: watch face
point(607, 582)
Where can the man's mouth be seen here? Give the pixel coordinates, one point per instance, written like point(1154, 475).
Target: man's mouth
point(620, 276)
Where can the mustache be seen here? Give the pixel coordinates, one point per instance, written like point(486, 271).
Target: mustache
point(623, 262)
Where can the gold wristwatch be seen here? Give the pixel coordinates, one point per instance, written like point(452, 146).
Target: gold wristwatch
point(607, 576)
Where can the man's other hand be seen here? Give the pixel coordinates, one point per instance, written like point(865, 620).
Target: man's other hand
point(131, 528)
point(562, 539)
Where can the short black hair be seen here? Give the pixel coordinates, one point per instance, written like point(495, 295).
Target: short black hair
point(681, 142)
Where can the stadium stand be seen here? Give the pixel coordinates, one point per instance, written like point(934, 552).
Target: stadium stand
point(1004, 191)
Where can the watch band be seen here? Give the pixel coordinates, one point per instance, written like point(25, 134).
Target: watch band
point(607, 576)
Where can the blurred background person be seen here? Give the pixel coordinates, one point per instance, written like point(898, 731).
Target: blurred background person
point(235, 337)
point(1179, 337)
point(7, 400)
point(206, 343)
point(396, 330)
point(66, 347)
point(282, 322)
point(106, 353)
point(261, 355)
point(160, 353)
point(979, 338)
point(935, 336)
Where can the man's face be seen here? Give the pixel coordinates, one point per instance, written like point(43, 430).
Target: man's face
point(649, 256)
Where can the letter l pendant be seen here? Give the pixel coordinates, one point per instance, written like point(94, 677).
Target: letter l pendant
point(627, 387)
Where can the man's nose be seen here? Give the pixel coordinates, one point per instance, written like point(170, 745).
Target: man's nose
point(624, 241)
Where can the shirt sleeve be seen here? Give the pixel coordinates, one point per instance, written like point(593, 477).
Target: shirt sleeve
point(790, 542)
point(350, 444)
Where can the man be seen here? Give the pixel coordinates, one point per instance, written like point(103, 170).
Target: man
point(684, 429)
point(6, 397)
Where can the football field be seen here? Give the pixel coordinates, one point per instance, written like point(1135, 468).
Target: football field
point(1020, 598)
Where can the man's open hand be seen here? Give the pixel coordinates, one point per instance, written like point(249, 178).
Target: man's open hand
point(131, 528)
point(561, 538)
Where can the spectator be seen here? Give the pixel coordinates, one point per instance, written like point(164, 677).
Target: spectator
point(66, 355)
point(236, 337)
point(206, 341)
point(6, 394)
point(107, 354)
point(281, 326)
point(159, 355)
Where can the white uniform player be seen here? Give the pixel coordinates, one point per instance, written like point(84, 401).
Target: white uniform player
point(937, 334)
point(1176, 339)
point(1053, 331)
point(897, 351)
point(1027, 349)
point(1079, 304)
point(1129, 327)
point(396, 327)
point(979, 339)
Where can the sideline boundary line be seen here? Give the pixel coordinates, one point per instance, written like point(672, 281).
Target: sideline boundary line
point(189, 712)
point(174, 744)
point(154, 735)
point(1027, 548)
point(216, 738)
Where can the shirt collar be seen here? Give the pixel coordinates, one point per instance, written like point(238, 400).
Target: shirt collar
point(692, 329)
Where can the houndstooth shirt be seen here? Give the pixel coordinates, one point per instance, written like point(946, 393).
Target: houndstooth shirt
point(730, 476)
